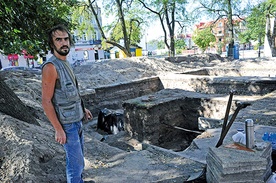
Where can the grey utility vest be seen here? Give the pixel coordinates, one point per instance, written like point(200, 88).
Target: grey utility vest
point(66, 100)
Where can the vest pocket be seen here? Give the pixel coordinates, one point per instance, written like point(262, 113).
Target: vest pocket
point(70, 113)
point(71, 91)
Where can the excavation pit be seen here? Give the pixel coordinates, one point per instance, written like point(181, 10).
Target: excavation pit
point(157, 109)
point(169, 118)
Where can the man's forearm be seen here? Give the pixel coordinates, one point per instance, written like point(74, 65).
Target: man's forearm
point(51, 115)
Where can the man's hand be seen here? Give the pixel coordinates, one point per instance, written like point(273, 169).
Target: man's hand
point(88, 115)
point(60, 136)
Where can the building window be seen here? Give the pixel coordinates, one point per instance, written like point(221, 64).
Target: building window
point(94, 36)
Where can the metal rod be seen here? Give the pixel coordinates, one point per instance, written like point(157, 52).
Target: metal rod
point(184, 129)
point(240, 106)
point(227, 110)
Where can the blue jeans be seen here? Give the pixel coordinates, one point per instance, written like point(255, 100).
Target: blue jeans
point(74, 152)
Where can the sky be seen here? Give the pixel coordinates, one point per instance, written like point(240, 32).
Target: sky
point(155, 31)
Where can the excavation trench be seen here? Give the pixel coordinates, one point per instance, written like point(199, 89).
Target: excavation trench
point(164, 111)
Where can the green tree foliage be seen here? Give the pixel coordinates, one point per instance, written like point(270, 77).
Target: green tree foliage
point(135, 29)
point(180, 45)
point(255, 24)
point(271, 25)
point(169, 14)
point(203, 38)
point(157, 42)
point(127, 17)
point(230, 9)
point(82, 18)
point(161, 44)
point(24, 23)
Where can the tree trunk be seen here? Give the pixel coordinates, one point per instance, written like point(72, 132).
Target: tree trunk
point(270, 43)
point(169, 16)
point(230, 51)
point(123, 24)
point(126, 47)
point(170, 21)
point(11, 105)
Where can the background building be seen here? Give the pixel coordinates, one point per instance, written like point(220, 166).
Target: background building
point(221, 31)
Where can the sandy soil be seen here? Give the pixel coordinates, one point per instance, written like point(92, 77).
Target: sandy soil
point(29, 153)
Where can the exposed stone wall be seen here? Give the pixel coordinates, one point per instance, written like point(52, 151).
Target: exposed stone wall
point(112, 96)
point(220, 85)
point(152, 112)
point(152, 118)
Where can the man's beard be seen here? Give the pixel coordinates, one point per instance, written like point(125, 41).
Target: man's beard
point(61, 51)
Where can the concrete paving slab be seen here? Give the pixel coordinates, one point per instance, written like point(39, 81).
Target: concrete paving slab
point(200, 146)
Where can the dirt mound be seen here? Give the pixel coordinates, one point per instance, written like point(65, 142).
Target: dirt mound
point(208, 57)
point(29, 152)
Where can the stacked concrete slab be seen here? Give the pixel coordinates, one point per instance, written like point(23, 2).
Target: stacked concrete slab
point(233, 165)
